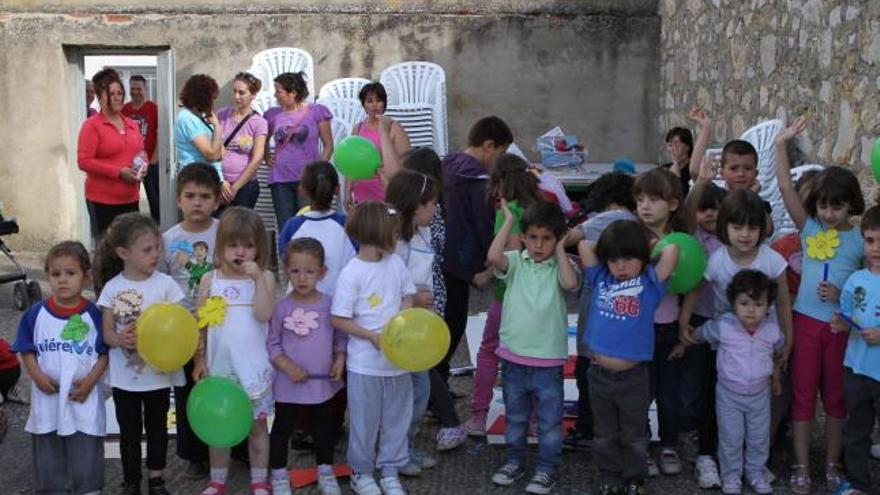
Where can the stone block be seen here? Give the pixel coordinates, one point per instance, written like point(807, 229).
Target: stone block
point(768, 54)
point(847, 123)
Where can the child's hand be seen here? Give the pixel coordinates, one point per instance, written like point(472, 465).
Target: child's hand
point(81, 390)
point(708, 169)
point(128, 337)
point(338, 368)
point(199, 369)
point(871, 335)
point(251, 269)
point(686, 334)
point(677, 352)
point(776, 383)
point(698, 115)
point(181, 258)
point(482, 279)
point(295, 373)
point(45, 384)
point(385, 123)
point(574, 236)
point(828, 292)
point(838, 324)
point(423, 298)
point(508, 215)
point(796, 127)
point(756, 186)
point(374, 339)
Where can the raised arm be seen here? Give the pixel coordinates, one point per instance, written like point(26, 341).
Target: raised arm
point(587, 252)
point(704, 126)
point(667, 262)
point(496, 257)
point(783, 172)
point(568, 277)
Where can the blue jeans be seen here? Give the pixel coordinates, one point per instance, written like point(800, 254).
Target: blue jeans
point(421, 390)
point(523, 385)
point(285, 200)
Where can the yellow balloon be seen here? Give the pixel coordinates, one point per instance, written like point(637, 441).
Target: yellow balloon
point(415, 339)
point(167, 336)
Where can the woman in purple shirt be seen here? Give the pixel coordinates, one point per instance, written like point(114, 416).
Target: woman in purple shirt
point(244, 141)
point(296, 127)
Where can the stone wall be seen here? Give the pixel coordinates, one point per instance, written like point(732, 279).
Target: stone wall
point(749, 60)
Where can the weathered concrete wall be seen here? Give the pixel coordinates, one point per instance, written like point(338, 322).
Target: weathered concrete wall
point(746, 61)
point(595, 75)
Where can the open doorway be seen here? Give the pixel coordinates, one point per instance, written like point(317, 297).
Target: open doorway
point(155, 68)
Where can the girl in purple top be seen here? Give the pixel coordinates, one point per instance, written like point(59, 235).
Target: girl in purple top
point(244, 138)
point(296, 126)
point(309, 356)
point(374, 100)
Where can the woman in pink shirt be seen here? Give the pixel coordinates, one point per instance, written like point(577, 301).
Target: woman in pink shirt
point(374, 100)
point(108, 146)
point(244, 140)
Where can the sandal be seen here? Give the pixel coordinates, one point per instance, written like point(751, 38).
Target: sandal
point(833, 476)
point(800, 480)
point(261, 488)
point(214, 488)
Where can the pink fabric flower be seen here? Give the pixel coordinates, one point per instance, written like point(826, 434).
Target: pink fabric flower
point(301, 322)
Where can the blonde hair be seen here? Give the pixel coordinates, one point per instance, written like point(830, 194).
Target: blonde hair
point(242, 225)
point(373, 224)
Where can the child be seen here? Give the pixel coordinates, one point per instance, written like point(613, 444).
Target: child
point(414, 196)
point(236, 346)
point(626, 292)
point(511, 181)
point(188, 256)
point(746, 341)
point(818, 351)
point(309, 357)
point(62, 348)
point(860, 303)
point(126, 263)
point(10, 372)
point(320, 183)
point(371, 289)
point(533, 338)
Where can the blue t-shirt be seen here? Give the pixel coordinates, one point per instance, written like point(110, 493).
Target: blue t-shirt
point(187, 127)
point(860, 301)
point(621, 321)
point(847, 259)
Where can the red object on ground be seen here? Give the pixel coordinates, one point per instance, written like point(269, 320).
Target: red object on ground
point(308, 476)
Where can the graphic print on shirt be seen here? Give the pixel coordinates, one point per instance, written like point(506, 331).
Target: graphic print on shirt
point(245, 143)
point(195, 261)
point(374, 300)
point(301, 322)
point(126, 308)
point(73, 340)
point(620, 300)
point(288, 134)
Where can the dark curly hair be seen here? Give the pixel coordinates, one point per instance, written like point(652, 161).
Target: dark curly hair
point(294, 82)
point(199, 93)
point(103, 79)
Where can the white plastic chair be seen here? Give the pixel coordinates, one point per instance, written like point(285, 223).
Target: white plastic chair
point(419, 123)
point(346, 87)
point(268, 64)
point(787, 225)
point(263, 102)
point(345, 109)
point(761, 137)
point(420, 84)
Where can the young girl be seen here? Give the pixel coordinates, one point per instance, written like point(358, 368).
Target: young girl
point(511, 181)
point(414, 196)
point(626, 292)
point(126, 264)
point(309, 357)
point(371, 289)
point(62, 348)
point(236, 346)
point(320, 183)
point(746, 340)
point(833, 250)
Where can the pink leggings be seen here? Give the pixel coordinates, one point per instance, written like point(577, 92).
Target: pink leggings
point(487, 361)
point(818, 362)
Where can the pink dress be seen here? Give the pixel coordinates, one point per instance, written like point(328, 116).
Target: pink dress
point(371, 189)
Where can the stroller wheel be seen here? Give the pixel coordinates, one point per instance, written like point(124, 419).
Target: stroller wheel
point(35, 293)
point(20, 296)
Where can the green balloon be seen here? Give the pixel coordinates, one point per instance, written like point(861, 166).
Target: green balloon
point(356, 157)
point(691, 261)
point(875, 159)
point(219, 411)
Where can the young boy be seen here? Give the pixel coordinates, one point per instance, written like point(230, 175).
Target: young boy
point(533, 339)
point(860, 304)
point(189, 248)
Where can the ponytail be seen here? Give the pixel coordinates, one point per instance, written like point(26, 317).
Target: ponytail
point(320, 181)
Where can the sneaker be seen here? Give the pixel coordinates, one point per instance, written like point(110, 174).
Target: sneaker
point(391, 486)
point(541, 483)
point(412, 467)
point(533, 429)
point(875, 451)
point(759, 485)
point(363, 484)
point(196, 470)
point(652, 467)
point(688, 446)
point(846, 489)
point(156, 486)
point(17, 395)
point(799, 482)
point(707, 473)
point(327, 484)
point(575, 440)
point(475, 426)
point(281, 486)
point(450, 438)
point(669, 463)
point(507, 474)
point(833, 476)
point(130, 489)
point(732, 487)
point(634, 489)
point(214, 488)
point(424, 459)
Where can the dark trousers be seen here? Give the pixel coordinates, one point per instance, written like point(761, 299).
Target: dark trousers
point(189, 447)
point(862, 406)
point(441, 403)
point(666, 379)
point(620, 402)
point(151, 186)
point(101, 215)
point(707, 427)
point(8, 379)
point(285, 200)
point(320, 425)
point(246, 197)
point(457, 295)
point(584, 410)
point(137, 412)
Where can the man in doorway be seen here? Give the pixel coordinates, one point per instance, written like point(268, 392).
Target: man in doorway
point(146, 114)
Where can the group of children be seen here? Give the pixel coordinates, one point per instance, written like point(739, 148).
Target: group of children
point(724, 346)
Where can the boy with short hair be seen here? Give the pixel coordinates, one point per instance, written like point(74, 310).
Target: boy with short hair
point(189, 249)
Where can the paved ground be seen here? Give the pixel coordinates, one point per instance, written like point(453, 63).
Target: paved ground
point(464, 471)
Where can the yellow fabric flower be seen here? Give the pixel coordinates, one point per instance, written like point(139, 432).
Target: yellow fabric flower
point(213, 312)
point(822, 246)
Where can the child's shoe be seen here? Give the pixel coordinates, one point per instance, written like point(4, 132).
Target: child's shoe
point(759, 485)
point(475, 426)
point(214, 488)
point(846, 489)
point(669, 462)
point(541, 483)
point(327, 484)
point(422, 458)
point(450, 438)
point(261, 488)
point(17, 395)
point(156, 486)
point(707, 473)
point(833, 476)
point(391, 485)
point(281, 486)
point(507, 474)
point(363, 484)
point(652, 467)
point(799, 482)
point(412, 467)
point(732, 486)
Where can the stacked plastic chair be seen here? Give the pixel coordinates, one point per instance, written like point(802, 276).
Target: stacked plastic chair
point(417, 99)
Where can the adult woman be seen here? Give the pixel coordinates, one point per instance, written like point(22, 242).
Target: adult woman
point(374, 99)
point(106, 150)
point(244, 140)
point(296, 126)
point(197, 134)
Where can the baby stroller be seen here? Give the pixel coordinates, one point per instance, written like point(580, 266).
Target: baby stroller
point(25, 292)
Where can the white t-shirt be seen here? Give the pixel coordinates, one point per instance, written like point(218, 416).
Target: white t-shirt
point(188, 256)
point(721, 269)
point(418, 255)
point(328, 228)
point(127, 299)
point(371, 293)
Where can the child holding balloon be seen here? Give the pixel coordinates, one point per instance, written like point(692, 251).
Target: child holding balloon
point(236, 301)
point(125, 264)
point(62, 349)
point(833, 251)
point(372, 288)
